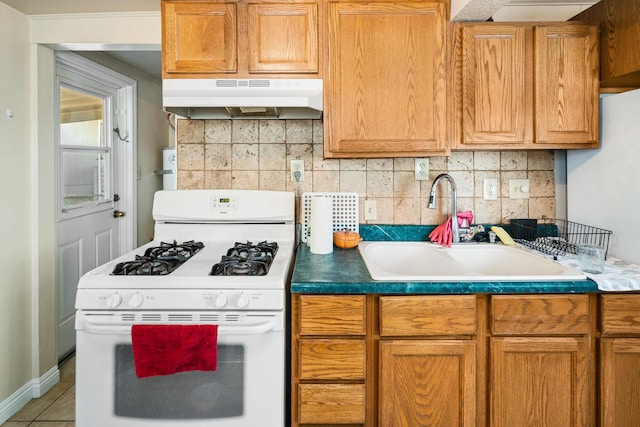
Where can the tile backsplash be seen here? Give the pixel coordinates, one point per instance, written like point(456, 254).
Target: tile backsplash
point(256, 154)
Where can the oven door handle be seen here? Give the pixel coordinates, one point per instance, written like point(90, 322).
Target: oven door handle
point(248, 328)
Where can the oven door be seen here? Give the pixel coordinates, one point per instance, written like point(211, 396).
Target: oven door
point(246, 390)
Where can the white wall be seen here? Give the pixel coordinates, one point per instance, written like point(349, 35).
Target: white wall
point(28, 355)
point(15, 208)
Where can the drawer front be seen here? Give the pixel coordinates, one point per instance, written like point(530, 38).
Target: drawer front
point(332, 359)
point(427, 315)
point(331, 403)
point(539, 314)
point(620, 314)
point(332, 315)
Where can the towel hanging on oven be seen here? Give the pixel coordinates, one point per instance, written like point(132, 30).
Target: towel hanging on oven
point(168, 349)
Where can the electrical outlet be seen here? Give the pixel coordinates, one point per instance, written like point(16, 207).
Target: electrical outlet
point(519, 188)
point(370, 210)
point(490, 189)
point(422, 169)
point(297, 166)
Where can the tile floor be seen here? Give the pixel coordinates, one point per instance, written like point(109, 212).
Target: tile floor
point(56, 408)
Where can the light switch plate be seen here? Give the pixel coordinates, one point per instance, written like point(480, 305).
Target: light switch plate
point(518, 188)
point(370, 210)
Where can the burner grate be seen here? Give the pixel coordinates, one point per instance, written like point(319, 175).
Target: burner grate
point(158, 260)
point(246, 259)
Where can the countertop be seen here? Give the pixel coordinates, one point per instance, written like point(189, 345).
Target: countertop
point(343, 271)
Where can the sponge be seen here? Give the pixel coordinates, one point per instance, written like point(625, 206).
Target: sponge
point(503, 235)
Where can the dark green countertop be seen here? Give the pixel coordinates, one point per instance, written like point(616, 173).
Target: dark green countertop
point(343, 272)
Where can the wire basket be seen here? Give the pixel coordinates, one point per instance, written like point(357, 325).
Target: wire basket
point(557, 236)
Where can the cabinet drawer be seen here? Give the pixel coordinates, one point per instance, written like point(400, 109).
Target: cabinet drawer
point(331, 403)
point(620, 314)
point(332, 359)
point(539, 314)
point(332, 315)
point(428, 315)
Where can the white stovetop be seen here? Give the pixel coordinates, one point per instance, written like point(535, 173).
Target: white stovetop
point(194, 273)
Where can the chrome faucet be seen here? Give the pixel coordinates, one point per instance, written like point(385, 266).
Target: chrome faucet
point(454, 203)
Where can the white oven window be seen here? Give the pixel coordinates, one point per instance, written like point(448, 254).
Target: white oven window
point(181, 396)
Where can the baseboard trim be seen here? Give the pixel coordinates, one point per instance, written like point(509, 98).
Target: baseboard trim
point(33, 389)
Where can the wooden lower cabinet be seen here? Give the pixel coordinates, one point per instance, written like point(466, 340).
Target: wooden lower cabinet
point(542, 360)
point(620, 382)
point(427, 383)
point(540, 382)
point(463, 360)
point(331, 403)
point(620, 360)
point(329, 360)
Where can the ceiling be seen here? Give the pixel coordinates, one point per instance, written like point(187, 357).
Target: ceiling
point(149, 62)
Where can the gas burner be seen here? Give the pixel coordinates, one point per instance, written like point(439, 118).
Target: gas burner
point(246, 259)
point(182, 251)
point(250, 251)
point(158, 260)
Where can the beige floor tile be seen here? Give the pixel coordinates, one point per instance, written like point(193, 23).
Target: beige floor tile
point(53, 424)
point(36, 406)
point(63, 409)
point(56, 408)
point(68, 370)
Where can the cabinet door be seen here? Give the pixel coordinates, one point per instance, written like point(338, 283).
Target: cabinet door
point(620, 382)
point(427, 383)
point(199, 37)
point(567, 83)
point(540, 382)
point(386, 79)
point(283, 37)
point(497, 88)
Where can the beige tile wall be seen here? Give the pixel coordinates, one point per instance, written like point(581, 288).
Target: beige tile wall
point(255, 154)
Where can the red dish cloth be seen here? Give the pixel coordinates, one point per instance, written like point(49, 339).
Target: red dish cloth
point(167, 349)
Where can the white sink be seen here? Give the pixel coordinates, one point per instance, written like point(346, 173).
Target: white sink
point(482, 262)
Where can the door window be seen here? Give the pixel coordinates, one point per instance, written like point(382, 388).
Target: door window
point(85, 150)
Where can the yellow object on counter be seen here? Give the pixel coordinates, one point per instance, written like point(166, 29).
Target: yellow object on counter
point(503, 235)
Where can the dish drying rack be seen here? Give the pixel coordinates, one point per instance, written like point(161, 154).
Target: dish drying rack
point(558, 236)
point(345, 212)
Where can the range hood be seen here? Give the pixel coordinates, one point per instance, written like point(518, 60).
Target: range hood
point(243, 98)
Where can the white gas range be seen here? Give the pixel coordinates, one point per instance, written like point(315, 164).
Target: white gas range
point(219, 257)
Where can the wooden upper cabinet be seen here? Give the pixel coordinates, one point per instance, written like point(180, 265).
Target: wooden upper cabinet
point(567, 84)
point(283, 37)
point(528, 86)
point(385, 81)
point(619, 35)
point(216, 38)
point(496, 87)
point(198, 37)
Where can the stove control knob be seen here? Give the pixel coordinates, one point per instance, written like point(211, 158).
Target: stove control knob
point(220, 300)
point(136, 300)
point(242, 300)
point(114, 300)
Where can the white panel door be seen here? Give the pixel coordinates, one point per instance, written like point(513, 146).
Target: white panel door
point(90, 145)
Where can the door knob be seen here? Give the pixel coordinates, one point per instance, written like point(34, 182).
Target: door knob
point(118, 214)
